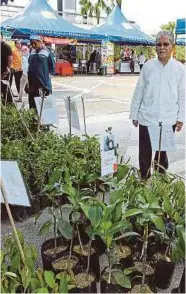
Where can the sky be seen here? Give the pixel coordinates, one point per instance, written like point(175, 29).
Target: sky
point(148, 14)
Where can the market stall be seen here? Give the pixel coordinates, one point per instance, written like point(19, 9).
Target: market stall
point(121, 32)
point(39, 18)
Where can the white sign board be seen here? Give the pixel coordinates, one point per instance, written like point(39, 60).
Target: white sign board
point(13, 183)
point(49, 114)
point(108, 158)
point(72, 113)
point(168, 141)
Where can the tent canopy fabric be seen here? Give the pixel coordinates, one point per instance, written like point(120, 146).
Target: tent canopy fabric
point(180, 26)
point(118, 29)
point(39, 18)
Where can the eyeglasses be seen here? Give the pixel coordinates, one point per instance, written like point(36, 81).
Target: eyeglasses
point(162, 44)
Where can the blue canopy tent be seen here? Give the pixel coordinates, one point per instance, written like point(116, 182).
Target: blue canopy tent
point(39, 18)
point(119, 30)
point(181, 30)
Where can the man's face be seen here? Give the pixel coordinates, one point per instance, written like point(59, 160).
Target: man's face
point(164, 48)
point(18, 45)
point(35, 44)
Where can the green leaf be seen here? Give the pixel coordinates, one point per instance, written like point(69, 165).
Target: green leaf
point(35, 284)
point(41, 290)
point(25, 277)
point(167, 207)
point(122, 172)
point(174, 252)
point(131, 212)
point(95, 215)
point(158, 222)
point(10, 274)
point(115, 195)
point(117, 213)
point(121, 279)
point(176, 217)
point(117, 227)
point(44, 228)
point(105, 225)
point(65, 228)
point(63, 286)
point(49, 279)
point(127, 271)
point(149, 196)
point(127, 234)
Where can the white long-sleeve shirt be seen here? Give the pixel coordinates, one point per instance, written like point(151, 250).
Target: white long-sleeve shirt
point(159, 95)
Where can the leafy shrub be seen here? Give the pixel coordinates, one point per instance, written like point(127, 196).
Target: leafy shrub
point(12, 127)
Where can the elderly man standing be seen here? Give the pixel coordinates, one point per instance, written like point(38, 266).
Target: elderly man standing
point(159, 97)
point(41, 65)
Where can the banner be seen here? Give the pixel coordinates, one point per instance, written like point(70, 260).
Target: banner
point(59, 41)
point(14, 184)
point(108, 158)
point(107, 56)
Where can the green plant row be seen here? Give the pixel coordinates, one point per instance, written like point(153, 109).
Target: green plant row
point(38, 158)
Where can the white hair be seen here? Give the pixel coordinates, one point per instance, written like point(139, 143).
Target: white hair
point(168, 34)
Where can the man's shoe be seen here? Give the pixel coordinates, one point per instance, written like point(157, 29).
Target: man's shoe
point(18, 100)
point(15, 95)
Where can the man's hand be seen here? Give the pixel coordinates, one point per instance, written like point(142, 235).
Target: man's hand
point(135, 123)
point(179, 126)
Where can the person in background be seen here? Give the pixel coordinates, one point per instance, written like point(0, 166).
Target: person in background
point(91, 60)
point(24, 78)
point(141, 60)
point(159, 97)
point(17, 65)
point(132, 61)
point(40, 65)
point(98, 61)
point(6, 64)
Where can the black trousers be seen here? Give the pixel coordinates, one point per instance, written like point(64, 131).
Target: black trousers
point(145, 154)
point(17, 75)
point(31, 101)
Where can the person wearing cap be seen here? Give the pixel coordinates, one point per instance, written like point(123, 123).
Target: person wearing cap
point(41, 65)
point(24, 78)
point(17, 65)
point(159, 98)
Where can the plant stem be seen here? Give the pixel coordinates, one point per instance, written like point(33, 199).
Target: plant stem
point(109, 277)
point(89, 253)
point(55, 234)
point(79, 238)
point(70, 253)
point(144, 254)
point(103, 198)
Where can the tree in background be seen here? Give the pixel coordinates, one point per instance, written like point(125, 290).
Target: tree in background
point(180, 50)
point(90, 9)
point(119, 2)
point(170, 26)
